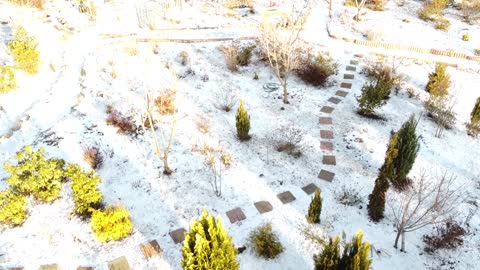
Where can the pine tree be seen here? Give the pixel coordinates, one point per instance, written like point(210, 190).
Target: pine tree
point(408, 147)
point(356, 254)
point(329, 258)
point(376, 203)
point(475, 115)
point(315, 208)
point(438, 81)
point(208, 246)
point(243, 123)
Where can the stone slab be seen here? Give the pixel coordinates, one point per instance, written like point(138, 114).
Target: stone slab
point(119, 264)
point(263, 206)
point(326, 175)
point(286, 197)
point(49, 267)
point(334, 100)
point(341, 93)
point(177, 235)
point(150, 249)
point(326, 134)
point(236, 215)
point(348, 76)
point(310, 188)
point(346, 85)
point(329, 160)
point(327, 109)
point(327, 146)
point(354, 62)
point(85, 268)
point(325, 120)
point(351, 68)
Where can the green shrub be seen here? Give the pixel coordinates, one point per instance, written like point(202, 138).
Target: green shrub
point(208, 246)
point(473, 128)
point(442, 24)
point(113, 223)
point(355, 255)
point(86, 195)
point(466, 37)
point(24, 51)
point(36, 175)
point(242, 122)
point(316, 70)
point(34, 3)
point(372, 97)
point(440, 109)
point(315, 208)
point(438, 81)
point(385, 75)
point(245, 55)
point(264, 242)
point(13, 208)
point(432, 10)
point(7, 79)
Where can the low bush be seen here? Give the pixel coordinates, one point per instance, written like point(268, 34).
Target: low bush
point(377, 5)
point(448, 235)
point(165, 102)
point(316, 70)
point(372, 97)
point(348, 196)
point(470, 10)
point(264, 242)
point(184, 58)
point(466, 37)
point(288, 138)
point(33, 3)
point(124, 125)
point(111, 224)
point(386, 75)
point(86, 195)
point(13, 208)
point(440, 109)
point(34, 174)
point(230, 53)
point(438, 81)
point(225, 99)
point(245, 55)
point(93, 156)
point(24, 51)
point(315, 208)
point(473, 127)
point(7, 79)
point(442, 24)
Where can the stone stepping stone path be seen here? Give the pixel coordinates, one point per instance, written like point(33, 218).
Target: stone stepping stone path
point(49, 267)
point(346, 85)
point(119, 264)
point(348, 76)
point(351, 68)
point(325, 120)
point(236, 215)
point(310, 188)
point(326, 145)
point(327, 109)
point(329, 160)
point(341, 93)
point(263, 207)
point(177, 235)
point(15, 268)
point(286, 197)
point(150, 249)
point(326, 175)
point(326, 134)
point(334, 100)
point(85, 268)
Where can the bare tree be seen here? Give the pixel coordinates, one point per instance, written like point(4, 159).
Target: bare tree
point(161, 147)
point(279, 41)
point(359, 4)
point(425, 203)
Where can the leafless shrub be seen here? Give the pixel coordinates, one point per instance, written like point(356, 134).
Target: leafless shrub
point(447, 235)
point(288, 139)
point(230, 53)
point(203, 123)
point(226, 99)
point(93, 156)
point(34, 3)
point(184, 58)
point(125, 125)
point(348, 195)
point(440, 109)
point(165, 102)
point(316, 69)
point(377, 5)
point(470, 10)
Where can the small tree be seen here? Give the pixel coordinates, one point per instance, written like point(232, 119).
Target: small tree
point(265, 242)
point(280, 43)
point(242, 122)
point(372, 97)
point(425, 203)
point(438, 81)
point(376, 200)
point(208, 246)
point(315, 208)
point(24, 51)
point(329, 258)
point(473, 128)
point(7, 79)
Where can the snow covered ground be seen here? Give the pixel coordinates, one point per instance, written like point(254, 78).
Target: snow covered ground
point(69, 103)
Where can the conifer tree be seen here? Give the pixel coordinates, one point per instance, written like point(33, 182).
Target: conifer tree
point(242, 123)
point(438, 81)
point(408, 147)
point(376, 200)
point(329, 258)
point(24, 51)
point(473, 128)
point(208, 246)
point(315, 208)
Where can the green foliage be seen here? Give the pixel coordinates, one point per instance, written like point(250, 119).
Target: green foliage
point(438, 81)
point(432, 10)
point(355, 255)
point(208, 246)
point(244, 55)
point(408, 147)
point(113, 223)
point(34, 3)
point(315, 208)
point(316, 70)
point(265, 243)
point(466, 37)
point(7, 79)
point(372, 97)
point(473, 128)
point(86, 195)
point(36, 175)
point(376, 200)
point(13, 207)
point(24, 51)
point(242, 122)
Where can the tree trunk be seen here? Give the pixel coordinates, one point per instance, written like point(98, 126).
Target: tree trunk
point(285, 92)
point(403, 242)
point(330, 9)
point(166, 168)
point(396, 239)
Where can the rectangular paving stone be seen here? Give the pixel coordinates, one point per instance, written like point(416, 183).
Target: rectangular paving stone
point(326, 134)
point(327, 109)
point(327, 146)
point(354, 62)
point(346, 85)
point(310, 188)
point(334, 100)
point(119, 264)
point(15, 268)
point(329, 160)
point(263, 206)
point(348, 76)
point(85, 268)
point(236, 215)
point(351, 68)
point(150, 249)
point(325, 120)
point(49, 267)
point(326, 175)
point(341, 93)
point(286, 197)
point(177, 235)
